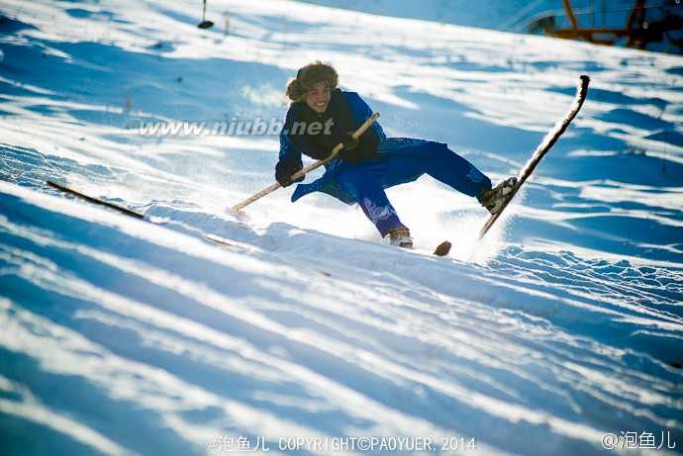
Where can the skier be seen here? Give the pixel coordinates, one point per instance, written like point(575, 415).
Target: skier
point(320, 116)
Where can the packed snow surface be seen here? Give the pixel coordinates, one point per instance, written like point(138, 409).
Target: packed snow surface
point(122, 336)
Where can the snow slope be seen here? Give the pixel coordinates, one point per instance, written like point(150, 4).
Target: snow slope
point(511, 15)
point(125, 336)
point(517, 15)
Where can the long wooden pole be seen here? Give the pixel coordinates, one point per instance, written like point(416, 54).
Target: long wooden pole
point(268, 190)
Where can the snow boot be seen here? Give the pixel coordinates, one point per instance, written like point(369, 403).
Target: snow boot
point(400, 236)
point(494, 199)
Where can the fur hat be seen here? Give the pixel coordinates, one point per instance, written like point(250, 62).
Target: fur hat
point(308, 76)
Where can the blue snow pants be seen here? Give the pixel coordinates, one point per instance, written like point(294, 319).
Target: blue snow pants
point(404, 160)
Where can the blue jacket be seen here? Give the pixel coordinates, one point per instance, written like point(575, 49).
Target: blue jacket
point(349, 111)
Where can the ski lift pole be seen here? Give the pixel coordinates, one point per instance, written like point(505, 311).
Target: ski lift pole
point(204, 24)
point(268, 190)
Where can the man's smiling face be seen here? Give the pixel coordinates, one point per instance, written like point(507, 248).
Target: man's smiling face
point(318, 98)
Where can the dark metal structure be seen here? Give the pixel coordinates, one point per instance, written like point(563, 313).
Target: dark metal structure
point(638, 32)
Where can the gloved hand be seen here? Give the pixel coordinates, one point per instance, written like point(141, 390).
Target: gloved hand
point(355, 150)
point(284, 171)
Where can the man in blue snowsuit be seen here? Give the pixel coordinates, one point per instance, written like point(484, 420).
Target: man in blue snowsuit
point(322, 116)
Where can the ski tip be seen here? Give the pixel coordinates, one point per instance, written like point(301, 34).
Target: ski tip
point(443, 249)
point(585, 81)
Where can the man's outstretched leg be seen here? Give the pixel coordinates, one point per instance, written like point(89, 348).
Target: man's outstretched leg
point(364, 183)
point(444, 165)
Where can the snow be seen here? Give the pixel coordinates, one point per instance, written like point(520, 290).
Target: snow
point(123, 336)
point(519, 15)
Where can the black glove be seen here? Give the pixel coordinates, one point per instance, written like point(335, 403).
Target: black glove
point(355, 150)
point(284, 171)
